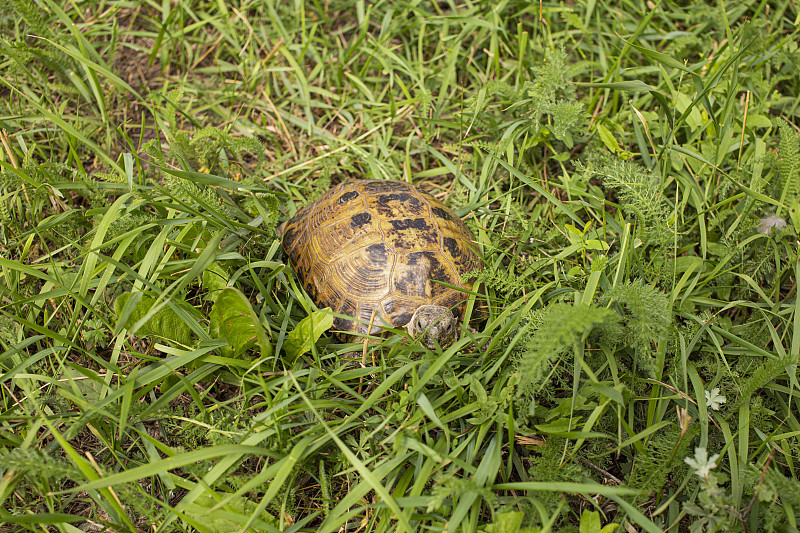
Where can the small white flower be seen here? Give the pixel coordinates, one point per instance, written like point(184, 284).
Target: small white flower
point(766, 224)
point(702, 464)
point(714, 399)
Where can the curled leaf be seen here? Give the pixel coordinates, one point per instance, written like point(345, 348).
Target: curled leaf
point(233, 319)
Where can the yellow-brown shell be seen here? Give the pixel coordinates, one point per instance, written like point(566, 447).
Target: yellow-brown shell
point(379, 246)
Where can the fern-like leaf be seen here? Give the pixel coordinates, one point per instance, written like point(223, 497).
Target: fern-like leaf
point(778, 494)
point(762, 375)
point(639, 194)
point(789, 158)
point(29, 14)
point(501, 279)
point(646, 317)
point(36, 462)
point(563, 326)
point(662, 454)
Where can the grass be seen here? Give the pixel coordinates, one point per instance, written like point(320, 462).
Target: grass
point(630, 170)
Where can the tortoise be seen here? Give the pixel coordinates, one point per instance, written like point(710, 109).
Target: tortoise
point(384, 254)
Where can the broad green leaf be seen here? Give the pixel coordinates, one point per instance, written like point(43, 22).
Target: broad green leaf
point(574, 235)
point(755, 120)
point(230, 519)
point(215, 279)
point(794, 214)
point(590, 522)
point(608, 139)
point(594, 244)
point(233, 319)
point(477, 389)
point(164, 323)
point(91, 389)
point(508, 522)
point(307, 332)
point(694, 118)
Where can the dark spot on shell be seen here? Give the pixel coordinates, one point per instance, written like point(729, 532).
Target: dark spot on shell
point(412, 234)
point(378, 254)
point(311, 289)
point(346, 197)
point(398, 197)
point(356, 221)
point(415, 223)
point(303, 272)
point(451, 245)
point(416, 278)
point(342, 324)
point(438, 271)
point(414, 259)
point(378, 186)
point(388, 206)
point(398, 313)
point(440, 212)
point(403, 284)
point(347, 308)
point(403, 319)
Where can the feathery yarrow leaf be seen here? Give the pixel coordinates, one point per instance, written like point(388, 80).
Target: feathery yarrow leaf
point(563, 326)
point(645, 311)
point(639, 194)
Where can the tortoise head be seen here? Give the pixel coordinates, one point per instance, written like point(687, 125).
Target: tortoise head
point(434, 323)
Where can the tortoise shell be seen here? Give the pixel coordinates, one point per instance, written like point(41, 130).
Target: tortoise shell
point(379, 246)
